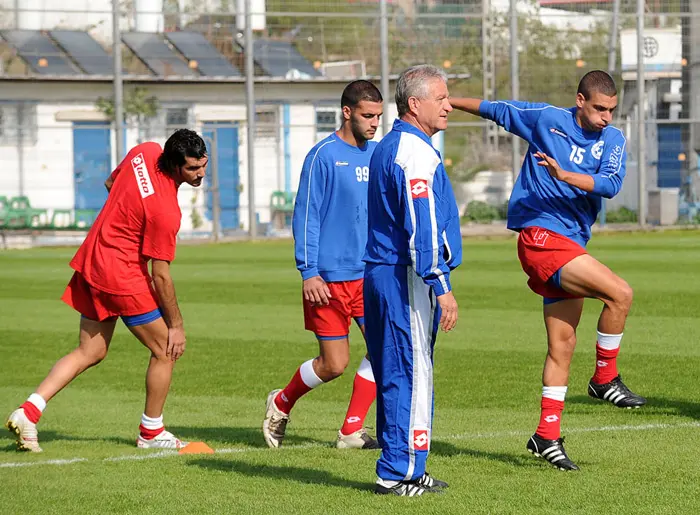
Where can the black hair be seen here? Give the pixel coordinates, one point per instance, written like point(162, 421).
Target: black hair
point(181, 144)
point(360, 90)
point(599, 81)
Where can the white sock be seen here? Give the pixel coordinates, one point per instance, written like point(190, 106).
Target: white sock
point(151, 423)
point(365, 370)
point(556, 393)
point(38, 401)
point(306, 370)
point(609, 341)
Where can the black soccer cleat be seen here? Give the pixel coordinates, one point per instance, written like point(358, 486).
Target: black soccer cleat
point(552, 451)
point(428, 481)
point(616, 393)
point(405, 488)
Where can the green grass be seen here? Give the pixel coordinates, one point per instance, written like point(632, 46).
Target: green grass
point(244, 324)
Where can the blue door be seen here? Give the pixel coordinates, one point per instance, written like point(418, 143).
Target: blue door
point(92, 158)
point(670, 147)
point(226, 161)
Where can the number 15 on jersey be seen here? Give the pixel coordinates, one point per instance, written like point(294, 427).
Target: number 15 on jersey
point(576, 155)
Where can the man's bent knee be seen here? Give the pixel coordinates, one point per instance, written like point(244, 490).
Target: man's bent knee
point(332, 368)
point(91, 357)
point(624, 295)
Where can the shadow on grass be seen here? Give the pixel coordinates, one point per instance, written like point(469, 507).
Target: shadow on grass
point(53, 436)
point(446, 449)
point(299, 474)
point(250, 436)
point(658, 405)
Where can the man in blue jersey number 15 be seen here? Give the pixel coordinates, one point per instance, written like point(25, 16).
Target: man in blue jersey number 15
point(575, 158)
point(330, 234)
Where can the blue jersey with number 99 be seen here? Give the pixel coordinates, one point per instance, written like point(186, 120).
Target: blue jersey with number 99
point(330, 211)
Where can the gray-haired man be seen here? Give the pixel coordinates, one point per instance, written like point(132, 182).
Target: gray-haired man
point(413, 244)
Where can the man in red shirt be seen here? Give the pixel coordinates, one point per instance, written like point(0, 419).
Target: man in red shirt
point(138, 223)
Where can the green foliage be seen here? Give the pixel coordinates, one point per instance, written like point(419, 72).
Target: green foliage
point(137, 105)
point(622, 215)
point(195, 216)
point(481, 212)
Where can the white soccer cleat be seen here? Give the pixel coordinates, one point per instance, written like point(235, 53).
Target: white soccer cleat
point(275, 423)
point(25, 430)
point(165, 440)
point(357, 440)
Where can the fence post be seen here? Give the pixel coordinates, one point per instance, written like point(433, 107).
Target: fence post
point(641, 144)
point(515, 83)
point(250, 112)
point(215, 193)
point(384, 58)
point(118, 86)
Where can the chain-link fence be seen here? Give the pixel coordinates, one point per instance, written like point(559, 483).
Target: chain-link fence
point(184, 65)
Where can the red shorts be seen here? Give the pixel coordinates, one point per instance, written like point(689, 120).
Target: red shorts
point(333, 321)
point(542, 253)
point(99, 305)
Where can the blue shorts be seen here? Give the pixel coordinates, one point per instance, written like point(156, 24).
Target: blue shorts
point(136, 320)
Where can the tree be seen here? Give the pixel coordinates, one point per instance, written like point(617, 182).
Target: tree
point(138, 108)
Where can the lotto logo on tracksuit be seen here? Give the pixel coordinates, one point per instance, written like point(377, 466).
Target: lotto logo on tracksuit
point(421, 440)
point(419, 188)
point(413, 243)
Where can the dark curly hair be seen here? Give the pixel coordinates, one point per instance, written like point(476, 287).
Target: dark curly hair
point(181, 144)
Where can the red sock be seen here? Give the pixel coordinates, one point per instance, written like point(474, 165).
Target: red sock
point(150, 434)
point(605, 365)
point(550, 419)
point(364, 392)
point(286, 399)
point(32, 412)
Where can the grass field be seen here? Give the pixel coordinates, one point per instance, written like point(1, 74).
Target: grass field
point(243, 318)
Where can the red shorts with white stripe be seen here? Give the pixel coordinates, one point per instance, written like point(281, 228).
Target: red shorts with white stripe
point(332, 322)
point(99, 305)
point(542, 253)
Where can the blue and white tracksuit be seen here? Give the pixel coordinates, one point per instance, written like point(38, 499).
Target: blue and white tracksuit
point(413, 243)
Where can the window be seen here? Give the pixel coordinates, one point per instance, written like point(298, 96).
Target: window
point(162, 125)
point(266, 123)
point(327, 121)
point(177, 117)
point(18, 120)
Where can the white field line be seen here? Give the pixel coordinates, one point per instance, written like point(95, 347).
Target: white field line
point(244, 450)
point(642, 427)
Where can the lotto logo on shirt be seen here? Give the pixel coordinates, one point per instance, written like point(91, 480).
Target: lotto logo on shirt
point(142, 178)
point(420, 439)
point(419, 188)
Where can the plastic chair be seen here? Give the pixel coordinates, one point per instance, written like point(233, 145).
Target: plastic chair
point(61, 219)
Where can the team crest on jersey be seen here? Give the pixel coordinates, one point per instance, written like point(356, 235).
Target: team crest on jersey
point(142, 178)
point(421, 442)
point(597, 150)
point(419, 188)
point(558, 132)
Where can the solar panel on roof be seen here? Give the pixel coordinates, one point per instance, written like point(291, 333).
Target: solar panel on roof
point(40, 53)
point(195, 47)
point(280, 59)
point(155, 54)
point(85, 51)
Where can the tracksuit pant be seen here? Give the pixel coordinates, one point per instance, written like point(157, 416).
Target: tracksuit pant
point(401, 322)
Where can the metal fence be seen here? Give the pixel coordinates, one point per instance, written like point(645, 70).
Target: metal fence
point(528, 50)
